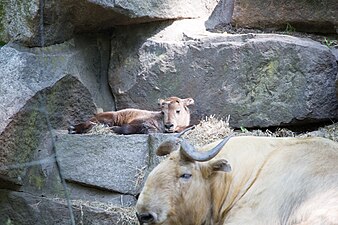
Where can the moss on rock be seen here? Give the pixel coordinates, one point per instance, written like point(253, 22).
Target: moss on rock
point(2, 42)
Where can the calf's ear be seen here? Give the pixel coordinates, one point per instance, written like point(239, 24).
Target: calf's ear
point(188, 101)
point(220, 165)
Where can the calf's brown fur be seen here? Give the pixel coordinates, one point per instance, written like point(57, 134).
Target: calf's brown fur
point(173, 117)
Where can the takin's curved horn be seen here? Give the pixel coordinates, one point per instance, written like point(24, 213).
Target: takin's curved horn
point(184, 131)
point(189, 151)
point(172, 143)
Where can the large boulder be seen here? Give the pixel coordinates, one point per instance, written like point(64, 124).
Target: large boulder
point(62, 83)
point(305, 16)
point(260, 80)
point(62, 18)
point(115, 163)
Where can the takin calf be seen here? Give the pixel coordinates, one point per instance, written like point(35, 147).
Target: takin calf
point(246, 181)
point(173, 117)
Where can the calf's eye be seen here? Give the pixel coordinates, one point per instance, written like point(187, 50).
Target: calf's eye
point(185, 176)
point(178, 111)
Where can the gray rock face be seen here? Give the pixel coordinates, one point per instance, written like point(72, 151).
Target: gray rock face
point(304, 16)
point(64, 18)
point(221, 15)
point(260, 80)
point(117, 163)
point(64, 83)
point(25, 209)
point(26, 71)
point(27, 128)
point(164, 9)
point(111, 163)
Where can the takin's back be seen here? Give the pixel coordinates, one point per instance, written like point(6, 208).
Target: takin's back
point(285, 181)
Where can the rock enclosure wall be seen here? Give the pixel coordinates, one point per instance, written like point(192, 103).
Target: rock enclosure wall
point(64, 60)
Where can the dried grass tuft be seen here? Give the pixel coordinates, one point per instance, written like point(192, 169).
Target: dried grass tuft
point(101, 129)
point(280, 132)
point(330, 132)
point(140, 175)
point(212, 128)
point(209, 130)
point(125, 215)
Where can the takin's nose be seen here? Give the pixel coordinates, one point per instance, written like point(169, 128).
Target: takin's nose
point(145, 217)
point(169, 126)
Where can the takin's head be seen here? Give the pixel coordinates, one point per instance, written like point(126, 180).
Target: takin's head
point(177, 191)
point(176, 113)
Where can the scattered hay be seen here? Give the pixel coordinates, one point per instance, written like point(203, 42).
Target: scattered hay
point(101, 129)
point(125, 215)
point(280, 132)
point(330, 132)
point(212, 128)
point(209, 130)
point(140, 175)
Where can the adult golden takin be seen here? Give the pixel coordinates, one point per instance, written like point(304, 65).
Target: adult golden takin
point(243, 181)
point(174, 116)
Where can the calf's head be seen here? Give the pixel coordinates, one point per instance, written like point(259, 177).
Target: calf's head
point(176, 113)
point(177, 191)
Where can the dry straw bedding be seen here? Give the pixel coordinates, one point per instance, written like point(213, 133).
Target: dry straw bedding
point(212, 128)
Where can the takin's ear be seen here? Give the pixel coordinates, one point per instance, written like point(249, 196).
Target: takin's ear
point(168, 146)
point(220, 165)
point(188, 101)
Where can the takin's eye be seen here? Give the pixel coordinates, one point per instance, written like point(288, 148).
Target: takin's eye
point(178, 111)
point(186, 176)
